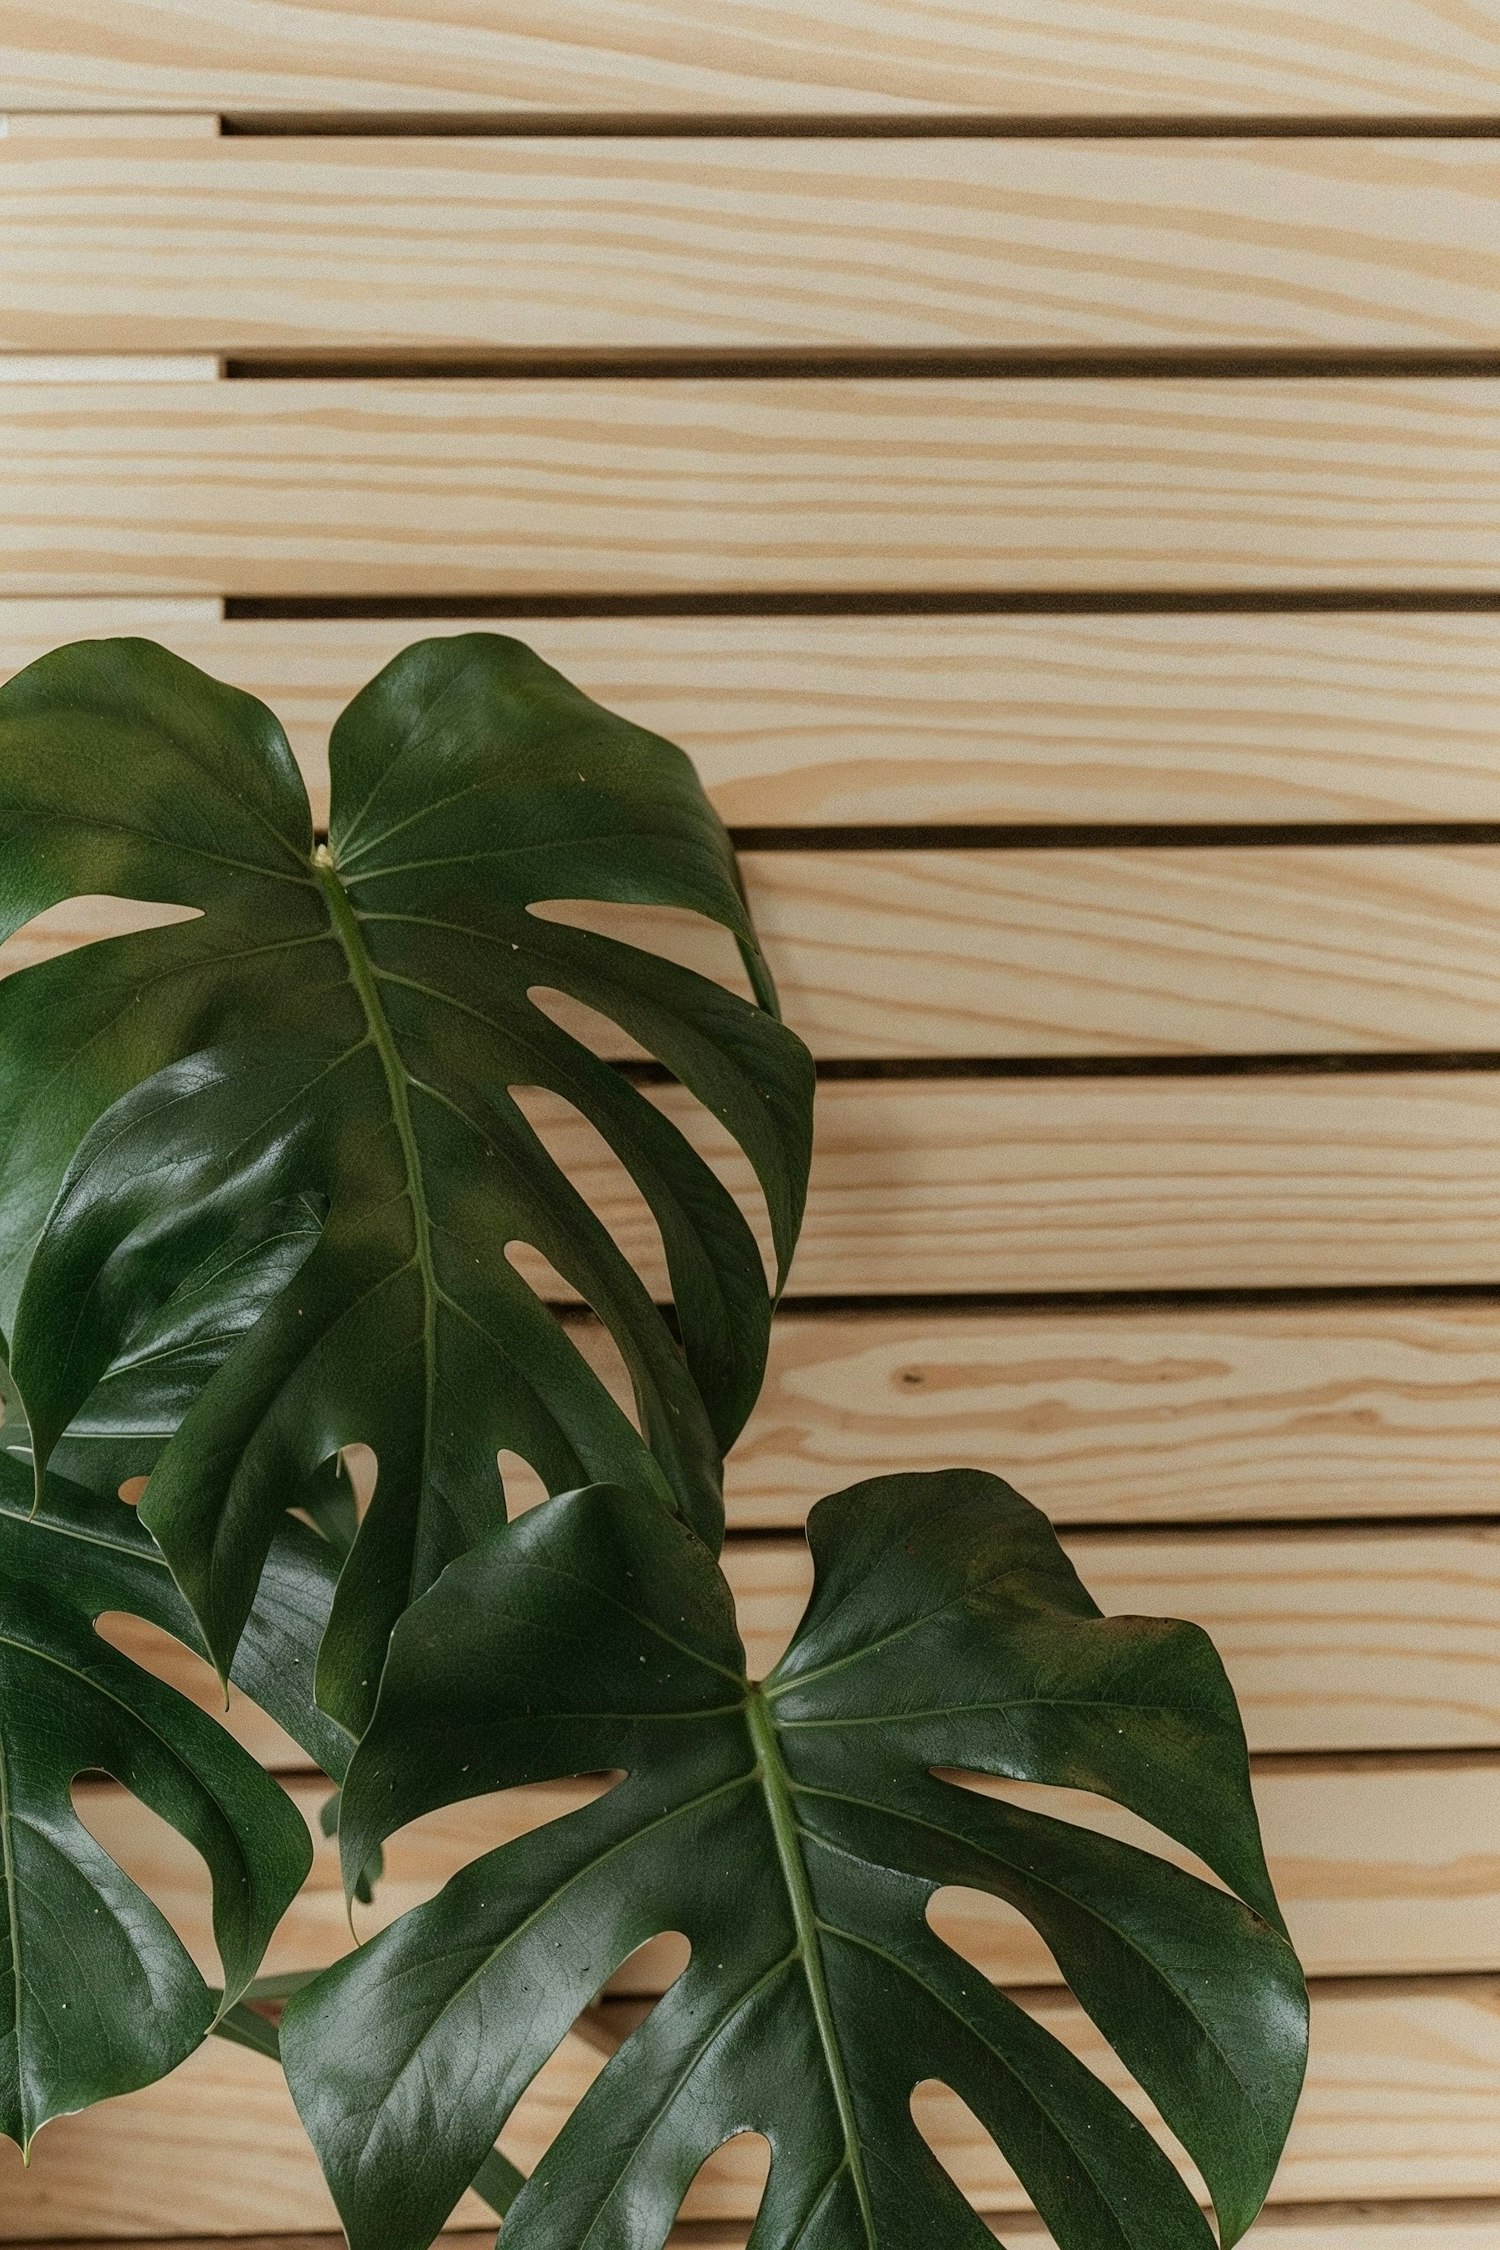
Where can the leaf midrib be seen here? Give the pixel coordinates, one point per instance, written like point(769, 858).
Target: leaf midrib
point(361, 975)
point(777, 1790)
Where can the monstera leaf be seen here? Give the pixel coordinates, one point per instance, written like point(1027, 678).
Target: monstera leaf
point(97, 1995)
point(169, 1349)
point(345, 1027)
point(794, 1833)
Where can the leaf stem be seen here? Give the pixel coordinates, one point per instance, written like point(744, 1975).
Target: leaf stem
point(776, 1787)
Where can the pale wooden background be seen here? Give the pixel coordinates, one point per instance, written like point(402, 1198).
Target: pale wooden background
point(1042, 457)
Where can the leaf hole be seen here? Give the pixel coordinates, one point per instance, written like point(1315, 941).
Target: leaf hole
point(963, 2147)
point(673, 933)
point(167, 1659)
point(588, 1162)
point(362, 1469)
point(599, 1033)
point(734, 2177)
point(652, 1969)
point(524, 1488)
point(157, 1860)
point(549, 2101)
point(1083, 1809)
point(993, 1936)
point(421, 1857)
point(967, 2153)
point(133, 1491)
point(85, 920)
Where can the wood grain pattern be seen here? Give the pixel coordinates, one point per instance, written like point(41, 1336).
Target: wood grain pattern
point(827, 720)
point(997, 954)
point(1360, 1639)
point(1402, 2100)
point(1382, 1869)
point(691, 486)
point(566, 244)
point(1466, 2223)
point(1138, 1414)
point(1361, 58)
point(1357, 1639)
point(1276, 1181)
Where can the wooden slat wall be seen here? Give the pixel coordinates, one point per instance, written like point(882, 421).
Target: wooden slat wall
point(763, 58)
point(1022, 954)
point(1042, 462)
point(801, 722)
point(190, 244)
point(750, 484)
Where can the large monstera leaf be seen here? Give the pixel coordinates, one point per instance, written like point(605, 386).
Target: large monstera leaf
point(344, 1028)
point(794, 1833)
point(97, 1995)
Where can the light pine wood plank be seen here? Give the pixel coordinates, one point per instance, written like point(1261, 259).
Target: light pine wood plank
point(1382, 1869)
point(829, 720)
point(1275, 1180)
point(1361, 1639)
point(998, 954)
point(1463, 2224)
point(192, 244)
point(683, 486)
point(1358, 1639)
point(1402, 2101)
point(1402, 2097)
point(1138, 1413)
point(1448, 2225)
point(1394, 58)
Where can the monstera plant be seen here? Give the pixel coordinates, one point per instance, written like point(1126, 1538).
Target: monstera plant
point(275, 1185)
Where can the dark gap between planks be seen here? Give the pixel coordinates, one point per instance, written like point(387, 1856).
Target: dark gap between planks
point(836, 126)
point(884, 602)
point(656, 363)
point(841, 1069)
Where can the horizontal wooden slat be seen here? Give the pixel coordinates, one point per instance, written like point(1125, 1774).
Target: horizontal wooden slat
point(824, 720)
point(1448, 2225)
point(1139, 1413)
point(760, 57)
point(998, 954)
point(1465, 2223)
point(1451, 2224)
point(1276, 1180)
point(1354, 1639)
point(1402, 2098)
point(536, 244)
point(1135, 952)
point(1389, 1868)
point(1041, 953)
point(684, 486)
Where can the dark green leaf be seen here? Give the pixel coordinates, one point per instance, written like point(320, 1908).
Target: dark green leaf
point(343, 1030)
point(97, 1995)
point(795, 1834)
point(498, 2181)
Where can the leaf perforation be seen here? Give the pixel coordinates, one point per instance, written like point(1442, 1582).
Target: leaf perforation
point(1120, 1931)
point(718, 2030)
point(1177, 1973)
point(998, 2001)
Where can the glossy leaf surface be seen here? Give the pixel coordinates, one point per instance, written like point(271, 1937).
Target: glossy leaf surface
point(97, 1995)
point(795, 1834)
point(344, 1030)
